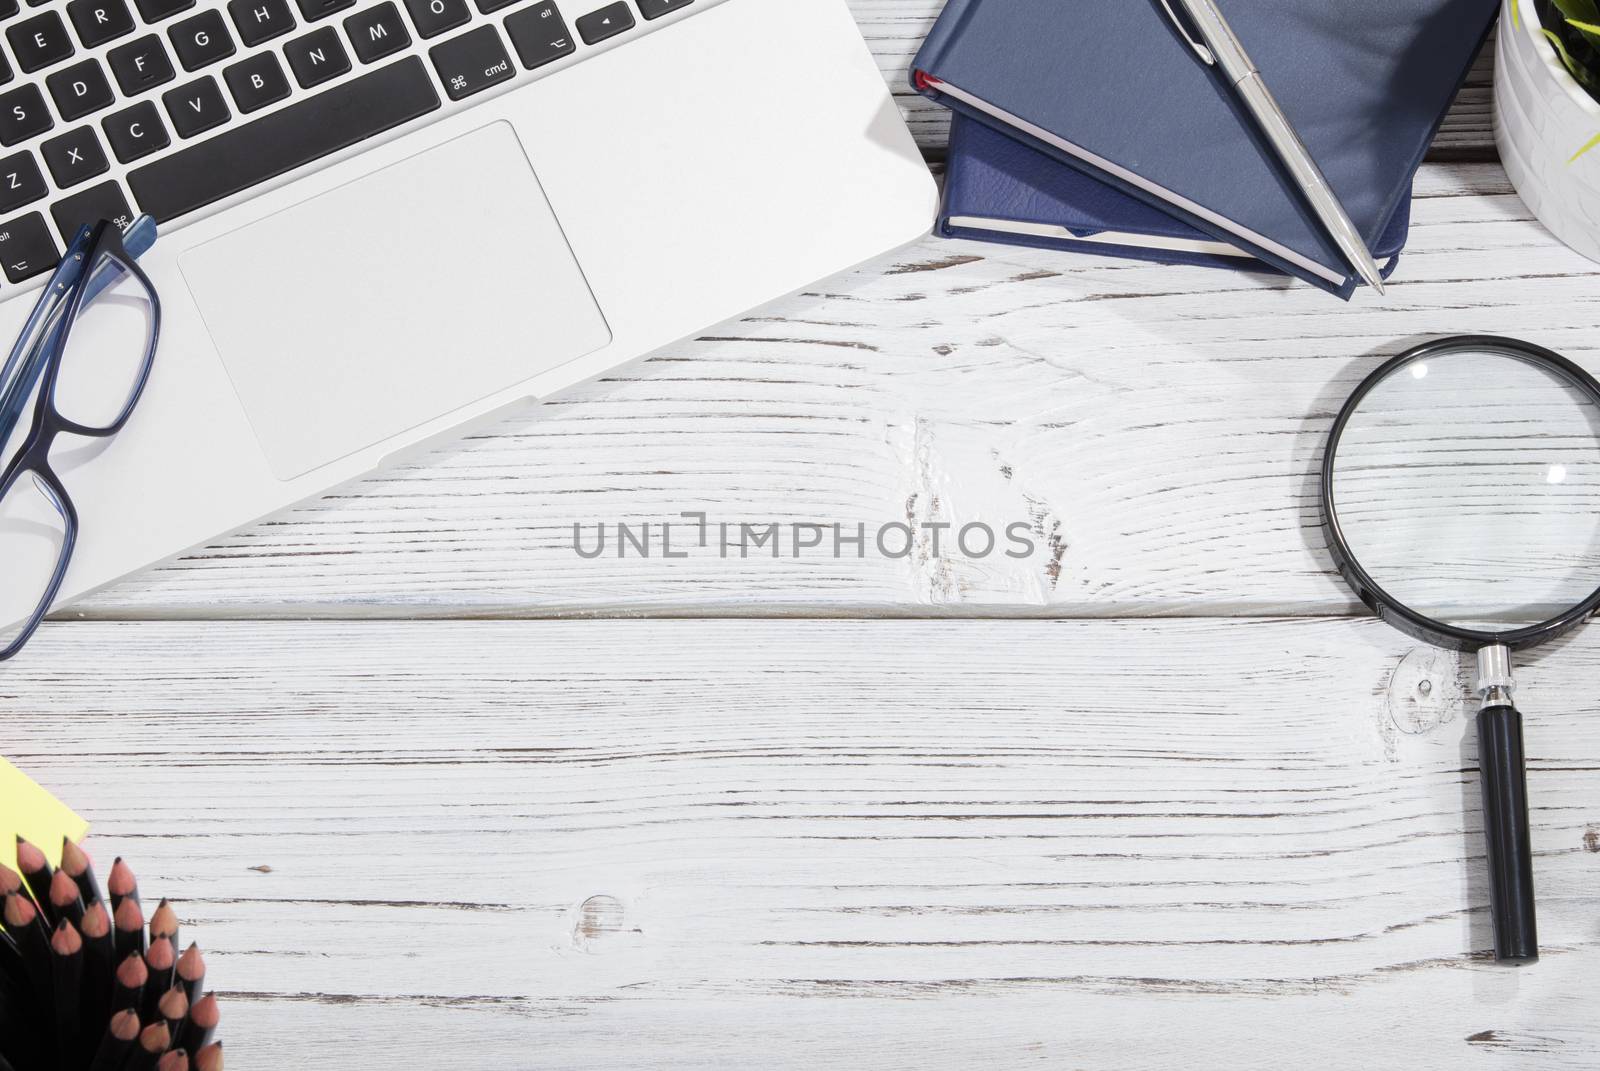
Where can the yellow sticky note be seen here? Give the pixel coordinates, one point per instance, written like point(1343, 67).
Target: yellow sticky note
point(27, 810)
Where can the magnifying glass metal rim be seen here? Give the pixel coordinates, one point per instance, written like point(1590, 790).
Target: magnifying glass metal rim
point(1390, 609)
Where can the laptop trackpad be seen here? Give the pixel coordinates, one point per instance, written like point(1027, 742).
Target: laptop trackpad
point(395, 299)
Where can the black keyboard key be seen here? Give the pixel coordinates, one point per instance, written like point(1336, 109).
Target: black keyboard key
point(75, 156)
point(27, 248)
point(104, 201)
point(316, 57)
point(472, 62)
point(377, 32)
point(23, 114)
point(256, 82)
point(321, 9)
point(606, 23)
point(490, 6)
point(20, 181)
point(201, 41)
point(80, 89)
point(539, 34)
point(40, 41)
point(5, 71)
point(141, 65)
point(654, 9)
point(8, 8)
point(260, 20)
point(135, 132)
point(156, 10)
point(196, 107)
point(434, 17)
point(283, 140)
point(99, 21)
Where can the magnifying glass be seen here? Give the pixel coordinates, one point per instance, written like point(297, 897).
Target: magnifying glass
point(1461, 501)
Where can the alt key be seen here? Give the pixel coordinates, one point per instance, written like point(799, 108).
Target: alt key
point(472, 62)
point(27, 248)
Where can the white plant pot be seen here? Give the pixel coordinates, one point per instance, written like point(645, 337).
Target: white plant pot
point(1542, 122)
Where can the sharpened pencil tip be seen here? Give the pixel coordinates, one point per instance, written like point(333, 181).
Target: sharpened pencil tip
point(66, 941)
point(155, 1038)
point(63, 890)
point(74, 860)
point(30, 858)
point(132, 973)
point(125, 1025)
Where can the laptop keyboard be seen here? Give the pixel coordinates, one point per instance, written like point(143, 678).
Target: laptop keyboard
point(168, 106)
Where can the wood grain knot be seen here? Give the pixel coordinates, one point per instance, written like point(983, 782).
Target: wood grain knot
point(599, 918)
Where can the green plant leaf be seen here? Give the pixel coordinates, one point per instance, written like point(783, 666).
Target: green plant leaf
point(1591, 143)
point(1584, 10)
point(1589, 30)
point(1572, 65)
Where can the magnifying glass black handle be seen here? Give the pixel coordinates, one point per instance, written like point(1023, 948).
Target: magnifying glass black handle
point(1502, 771)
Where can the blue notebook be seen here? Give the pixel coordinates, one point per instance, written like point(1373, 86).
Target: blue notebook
point(1113, 88)
point(999, 189)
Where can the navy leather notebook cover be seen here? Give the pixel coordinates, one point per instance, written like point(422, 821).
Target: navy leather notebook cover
point(1114, 88)
point(1000, 189)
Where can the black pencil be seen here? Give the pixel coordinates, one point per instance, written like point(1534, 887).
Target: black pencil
point(121, 884)
point(26, 926)
point(99, 948)
point(201, 1025)
point(174, 1008)
point(192, 972)
point(164, 923)
point(129, 991)
point(174, 1060)
point(65, 900)
point(99, 971)
point(21, 1040)
point(11, 964)
point(10, 881)
point(209, 1058)
point(75, 861)
point(163, 962)
point(129, 920)
point(67, 946)
point(154, 1040)
point(37, 873)
point(118, 1040)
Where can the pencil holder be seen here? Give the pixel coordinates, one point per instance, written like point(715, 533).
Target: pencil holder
point(86, 985)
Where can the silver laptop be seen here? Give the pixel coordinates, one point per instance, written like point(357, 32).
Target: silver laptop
point(384, 220)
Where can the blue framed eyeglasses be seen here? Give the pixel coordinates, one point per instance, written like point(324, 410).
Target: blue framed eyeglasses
point(83, 359)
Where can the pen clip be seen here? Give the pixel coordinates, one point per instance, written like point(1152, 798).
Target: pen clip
point(1200, 50)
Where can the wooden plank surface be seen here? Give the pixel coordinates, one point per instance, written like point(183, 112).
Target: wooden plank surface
point(796, 844)
point(1156, 429)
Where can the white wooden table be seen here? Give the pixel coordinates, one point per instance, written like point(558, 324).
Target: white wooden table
point(436, 791)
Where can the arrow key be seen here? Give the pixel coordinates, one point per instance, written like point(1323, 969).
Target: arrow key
point(606, 23)
point(26, 247)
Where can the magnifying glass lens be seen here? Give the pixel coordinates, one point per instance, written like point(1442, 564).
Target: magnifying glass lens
point(1467, 485)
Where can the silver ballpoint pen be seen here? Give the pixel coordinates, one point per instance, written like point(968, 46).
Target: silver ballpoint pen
point(1220, 47)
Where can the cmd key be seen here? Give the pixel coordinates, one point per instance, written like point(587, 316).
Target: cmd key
point(472, 62)
point(283, 140)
